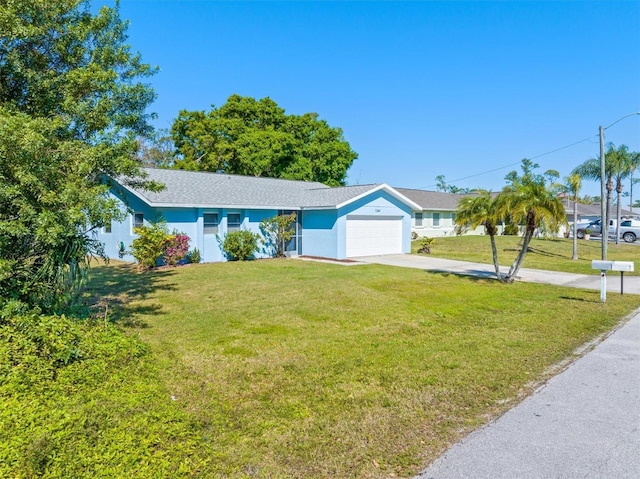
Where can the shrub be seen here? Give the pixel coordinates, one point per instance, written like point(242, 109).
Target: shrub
point(148, 247)
point(511, 230)
point(175, 249)
point(194, 256)
point(81, 399)
point(425, 245)
point(240, 245)
point(154, 245)
point(277, 232)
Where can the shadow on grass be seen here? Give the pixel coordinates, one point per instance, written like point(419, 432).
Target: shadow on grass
point(473, 275)
point(111, 289)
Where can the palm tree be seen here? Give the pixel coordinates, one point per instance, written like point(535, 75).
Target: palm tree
point(618, 164)
point(572, 187)
point(529, 201)
point(474, 211)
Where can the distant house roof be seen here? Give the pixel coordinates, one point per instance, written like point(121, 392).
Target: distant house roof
point(592, 209)
point(433, 200)
point(219, 190)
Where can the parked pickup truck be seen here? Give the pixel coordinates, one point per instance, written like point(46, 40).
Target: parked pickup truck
point(629, 229)
point(594, 227)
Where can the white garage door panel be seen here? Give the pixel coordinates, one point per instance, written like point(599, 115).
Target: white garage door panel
point(373, 235)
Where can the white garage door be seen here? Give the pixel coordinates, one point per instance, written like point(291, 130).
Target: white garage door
point(372, 235)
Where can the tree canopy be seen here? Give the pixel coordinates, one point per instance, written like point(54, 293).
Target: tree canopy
point(253, 137)
point(71, 107)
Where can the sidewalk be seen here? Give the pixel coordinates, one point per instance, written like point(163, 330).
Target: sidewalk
point(586, 281)
point(583, 423)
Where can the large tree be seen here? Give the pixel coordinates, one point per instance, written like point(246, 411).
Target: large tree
point(253, 137)
point(71, 107)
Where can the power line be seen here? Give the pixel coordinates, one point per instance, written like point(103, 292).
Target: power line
point(517, 163)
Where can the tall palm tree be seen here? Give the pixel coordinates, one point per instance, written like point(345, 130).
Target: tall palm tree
point(529, 201)
point(477, 210)
point(572, 188)
point(618, 164)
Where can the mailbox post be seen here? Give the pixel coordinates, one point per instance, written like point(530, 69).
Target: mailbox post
point(605, 266)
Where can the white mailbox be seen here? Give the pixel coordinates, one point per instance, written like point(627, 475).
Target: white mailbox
point(612, 265)
point(604, 265)
point(622, 266)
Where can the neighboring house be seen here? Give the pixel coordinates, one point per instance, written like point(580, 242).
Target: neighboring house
point(436, 215)
point(337, 223)
point(591, 212)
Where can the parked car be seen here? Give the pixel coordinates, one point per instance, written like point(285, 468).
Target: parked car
point(629, 230)
point(594, 226)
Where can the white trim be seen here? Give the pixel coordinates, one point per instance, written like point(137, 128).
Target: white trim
point(386, 188)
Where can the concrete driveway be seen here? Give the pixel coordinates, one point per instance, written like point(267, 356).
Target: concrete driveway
point(585, 281)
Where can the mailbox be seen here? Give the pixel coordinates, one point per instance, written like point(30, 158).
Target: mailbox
point(604, 265)
point(612, 265)
point(622, 266)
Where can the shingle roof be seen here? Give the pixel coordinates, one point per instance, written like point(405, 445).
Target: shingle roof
point(203, 189)
point(592, 209)
point(219, 190)
point(433, 200)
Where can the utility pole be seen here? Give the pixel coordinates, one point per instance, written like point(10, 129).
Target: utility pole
point(604, 221)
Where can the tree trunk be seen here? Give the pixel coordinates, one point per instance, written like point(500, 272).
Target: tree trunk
point(619, 189)
point(575, 231)
point(530, 229)
point(494, 250)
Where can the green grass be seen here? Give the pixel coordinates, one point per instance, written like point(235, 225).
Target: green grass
point(303, 370)
point(549, 254)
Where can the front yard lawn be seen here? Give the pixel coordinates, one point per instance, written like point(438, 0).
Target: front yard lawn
point(550, 254)
point(302, 369)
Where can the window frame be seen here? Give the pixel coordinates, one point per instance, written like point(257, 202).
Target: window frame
point(134, 222)
point(234, 226)
point(436, 219)
point(210, 224)
point(419, 222)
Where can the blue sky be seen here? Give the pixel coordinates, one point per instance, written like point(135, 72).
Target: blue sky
point(464, 89)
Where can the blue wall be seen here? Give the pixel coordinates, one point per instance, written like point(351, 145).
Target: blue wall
point(184, 220)
point(320, 233)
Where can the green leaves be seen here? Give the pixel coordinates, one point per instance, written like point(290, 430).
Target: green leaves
point(70, 109)
point(255, 137)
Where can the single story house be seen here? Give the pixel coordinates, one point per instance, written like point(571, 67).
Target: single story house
point(337, 223)
point(437, 213)
point(592, 211)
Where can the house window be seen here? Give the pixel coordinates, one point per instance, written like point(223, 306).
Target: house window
point(233, 221)
point(418, 220)
point(436, 219)
point(138, 220)
point(210, 223)
point(107, 227)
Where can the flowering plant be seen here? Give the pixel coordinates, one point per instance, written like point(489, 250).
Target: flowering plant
point(176, 248)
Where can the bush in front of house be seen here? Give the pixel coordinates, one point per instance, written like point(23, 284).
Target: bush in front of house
point(176, 249)
point(425, 245)
point(240, 245)
point(156, 246)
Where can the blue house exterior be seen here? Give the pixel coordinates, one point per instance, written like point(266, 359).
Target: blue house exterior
point(333, 223)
